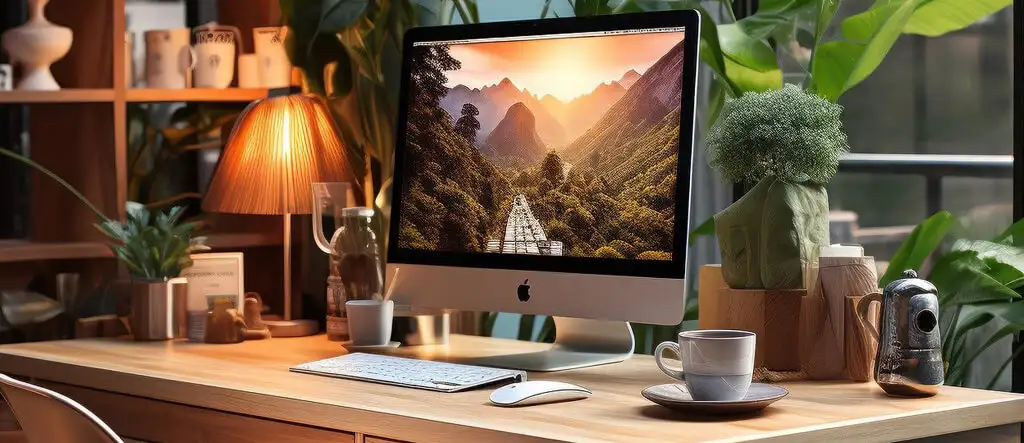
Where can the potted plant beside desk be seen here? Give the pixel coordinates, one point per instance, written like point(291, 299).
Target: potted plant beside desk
point(153, 247)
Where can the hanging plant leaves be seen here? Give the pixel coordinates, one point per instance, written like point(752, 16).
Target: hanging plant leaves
point(339, 14)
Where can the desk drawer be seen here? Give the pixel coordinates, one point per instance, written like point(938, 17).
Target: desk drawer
point(163, 422)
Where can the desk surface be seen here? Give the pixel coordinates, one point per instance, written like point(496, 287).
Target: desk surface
point(252, 378)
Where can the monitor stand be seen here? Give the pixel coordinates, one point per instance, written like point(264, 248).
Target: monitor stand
point(578, 343)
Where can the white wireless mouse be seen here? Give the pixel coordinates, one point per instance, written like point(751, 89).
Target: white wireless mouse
point(537, 392)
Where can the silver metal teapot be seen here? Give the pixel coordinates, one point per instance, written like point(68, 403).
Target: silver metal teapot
point(908, 361)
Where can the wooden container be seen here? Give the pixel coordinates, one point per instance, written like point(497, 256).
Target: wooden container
point(773, 315)
point(823, 318)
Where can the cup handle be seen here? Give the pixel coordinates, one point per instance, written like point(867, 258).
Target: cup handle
point(659, 352)
point(862, 312)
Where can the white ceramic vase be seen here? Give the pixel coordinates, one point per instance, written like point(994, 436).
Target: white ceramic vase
point(35, 46)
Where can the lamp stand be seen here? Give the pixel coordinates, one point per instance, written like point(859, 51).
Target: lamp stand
point(289, 327)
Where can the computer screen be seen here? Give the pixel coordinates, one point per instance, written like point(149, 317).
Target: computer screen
point(563, 145)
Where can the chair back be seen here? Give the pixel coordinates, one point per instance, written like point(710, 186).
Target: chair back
point(46, 416)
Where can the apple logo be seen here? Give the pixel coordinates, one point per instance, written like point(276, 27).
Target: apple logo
point(524, 291)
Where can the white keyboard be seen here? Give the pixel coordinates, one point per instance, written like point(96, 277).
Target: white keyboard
point(407, 372)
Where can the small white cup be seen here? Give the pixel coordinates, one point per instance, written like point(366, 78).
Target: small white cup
point(169, 58)
point(718, 364)
point(369, 321)
point(215, 56)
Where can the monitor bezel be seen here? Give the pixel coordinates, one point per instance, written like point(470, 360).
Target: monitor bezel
point(676, 268)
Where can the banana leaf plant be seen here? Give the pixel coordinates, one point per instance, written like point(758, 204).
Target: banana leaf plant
point(978, 281)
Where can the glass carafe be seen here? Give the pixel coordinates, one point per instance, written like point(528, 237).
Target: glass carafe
point(355, 267)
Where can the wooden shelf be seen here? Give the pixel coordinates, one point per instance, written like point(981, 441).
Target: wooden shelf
point(225, 241)
point(61, 96)
point(195, 95)
point(21, 250)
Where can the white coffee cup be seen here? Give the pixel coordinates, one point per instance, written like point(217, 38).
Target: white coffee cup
point(168, 58)
point(369, 321)
point(717, 364)
point(215, 55)
point(275, 70)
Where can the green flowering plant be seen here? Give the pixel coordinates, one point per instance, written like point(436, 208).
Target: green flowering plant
point(787, 133)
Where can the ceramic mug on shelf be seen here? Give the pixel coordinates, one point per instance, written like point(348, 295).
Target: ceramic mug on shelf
point(717, 364)
point(275, 70)
point(169, 58)
point(215, 55)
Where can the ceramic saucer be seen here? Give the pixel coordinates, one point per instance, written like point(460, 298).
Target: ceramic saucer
point(351, 347)
point(677, 398)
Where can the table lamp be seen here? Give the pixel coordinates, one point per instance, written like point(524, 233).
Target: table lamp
point(278, 148)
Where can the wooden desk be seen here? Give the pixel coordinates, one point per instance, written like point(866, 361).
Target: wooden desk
point(166, 391)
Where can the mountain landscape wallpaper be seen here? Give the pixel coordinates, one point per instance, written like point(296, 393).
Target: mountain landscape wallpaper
point(555, 146)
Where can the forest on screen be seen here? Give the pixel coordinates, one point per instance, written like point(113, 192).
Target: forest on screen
point(543, 159)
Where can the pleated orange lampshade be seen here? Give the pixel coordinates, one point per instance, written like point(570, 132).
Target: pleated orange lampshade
point(277, 150)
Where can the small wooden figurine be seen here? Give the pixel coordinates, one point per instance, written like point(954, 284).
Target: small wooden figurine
point(255, 329)
point(223, 324)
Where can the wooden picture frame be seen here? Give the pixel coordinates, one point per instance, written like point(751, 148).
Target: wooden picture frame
point(215, 275)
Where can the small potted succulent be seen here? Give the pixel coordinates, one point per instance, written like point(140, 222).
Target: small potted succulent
point(787, 143)
point(153, 246)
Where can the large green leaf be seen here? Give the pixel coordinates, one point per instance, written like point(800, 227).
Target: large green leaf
point(773, 16)
point(711, 52)
point(743, 49)
point(841, 65)
point(1006, 262)
point(750, 64)
point(826, 11)
point(918, 246)
point(936, 17)
point(962, 277)
point(1014, 235)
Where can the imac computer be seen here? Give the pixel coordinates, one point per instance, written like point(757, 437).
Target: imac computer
point(543, 167)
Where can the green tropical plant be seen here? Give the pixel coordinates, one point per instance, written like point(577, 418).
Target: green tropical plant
point(978, 281)
point(151, 247)
point(154, 154)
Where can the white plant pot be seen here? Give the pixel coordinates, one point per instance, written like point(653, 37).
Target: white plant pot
point(35, 46)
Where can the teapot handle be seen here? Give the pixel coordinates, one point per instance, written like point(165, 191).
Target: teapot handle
point(862, 312)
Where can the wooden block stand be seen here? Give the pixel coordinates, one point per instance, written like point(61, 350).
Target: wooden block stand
point(773, 315)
